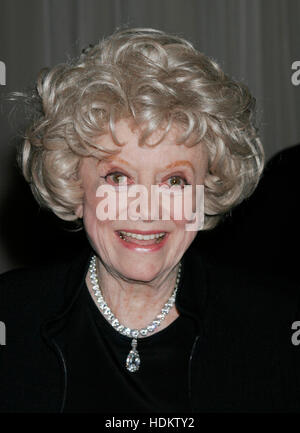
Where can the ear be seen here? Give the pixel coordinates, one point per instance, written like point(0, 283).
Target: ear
point(79, 211)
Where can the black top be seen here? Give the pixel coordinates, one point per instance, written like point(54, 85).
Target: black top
point(98, 379)
point(243, 357)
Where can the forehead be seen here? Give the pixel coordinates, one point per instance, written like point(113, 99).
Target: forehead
point(168, 149)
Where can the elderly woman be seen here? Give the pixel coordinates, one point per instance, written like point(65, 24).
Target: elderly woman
point(140, 322)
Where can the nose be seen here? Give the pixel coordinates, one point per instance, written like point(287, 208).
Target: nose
point(145, 207)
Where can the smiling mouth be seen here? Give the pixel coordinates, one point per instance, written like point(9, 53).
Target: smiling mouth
point(137, 238)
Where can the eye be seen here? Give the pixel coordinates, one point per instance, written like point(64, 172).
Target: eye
point(116, 178)
point(177, 181)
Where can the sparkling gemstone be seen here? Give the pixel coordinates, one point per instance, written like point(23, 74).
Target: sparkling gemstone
point(115, 322)
point(106, 310)
point(161, 316)
point(134, 333)
point(156, 322)
point(120, 328)
point(151, 328)
point(127, 331)
point(143, 332)
point(165, 310)
point(133, 361)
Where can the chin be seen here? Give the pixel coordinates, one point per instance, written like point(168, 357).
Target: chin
point(144, 270)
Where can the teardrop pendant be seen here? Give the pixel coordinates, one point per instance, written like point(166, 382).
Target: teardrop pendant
point(133, 359)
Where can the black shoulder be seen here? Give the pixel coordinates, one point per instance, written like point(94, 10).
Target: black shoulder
point(40, 292)
point(253, 294)
point(31, 291)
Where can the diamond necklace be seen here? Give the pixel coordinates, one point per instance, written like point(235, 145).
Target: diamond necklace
point(133, 360)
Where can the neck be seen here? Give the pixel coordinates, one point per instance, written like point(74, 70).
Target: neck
point(136, 304)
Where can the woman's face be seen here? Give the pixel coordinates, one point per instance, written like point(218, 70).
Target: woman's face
point(163, 165)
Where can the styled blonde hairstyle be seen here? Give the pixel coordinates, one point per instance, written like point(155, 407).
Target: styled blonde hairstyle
point(157, 80)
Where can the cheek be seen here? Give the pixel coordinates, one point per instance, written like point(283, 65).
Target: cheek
point(183, 204)
point(188, 208)
point(90, 204)
point(182, 238)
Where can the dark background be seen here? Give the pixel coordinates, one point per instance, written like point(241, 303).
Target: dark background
point(255, 41)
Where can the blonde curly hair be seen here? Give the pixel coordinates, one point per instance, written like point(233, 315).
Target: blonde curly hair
point(158, 80)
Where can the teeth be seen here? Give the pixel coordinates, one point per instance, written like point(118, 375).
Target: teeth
point(143, 237)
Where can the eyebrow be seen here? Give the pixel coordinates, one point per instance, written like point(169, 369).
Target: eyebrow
point(172, 165)
point(177, 163)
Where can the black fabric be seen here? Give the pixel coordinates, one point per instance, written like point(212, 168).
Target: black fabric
point(96, 356)
point(241, 360)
